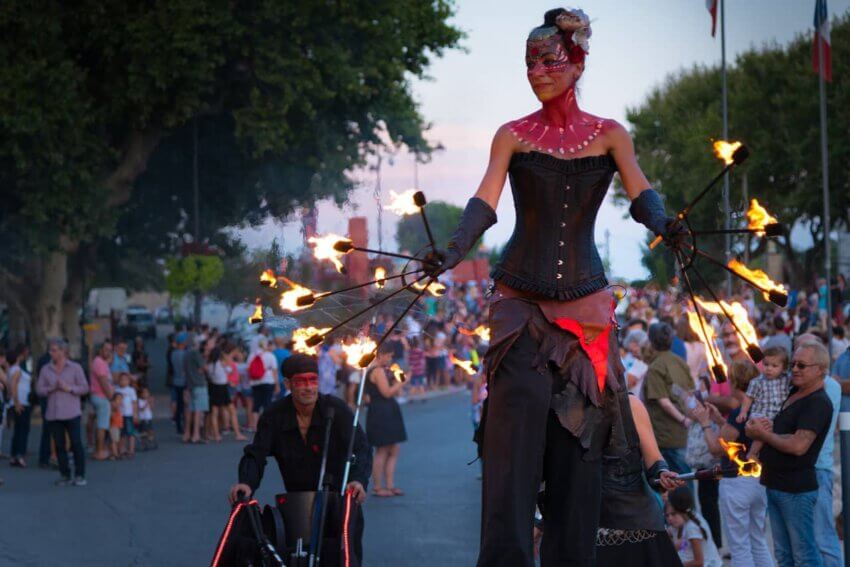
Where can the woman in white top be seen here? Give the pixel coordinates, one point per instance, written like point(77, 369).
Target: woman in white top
point(20, 382)
point(694, 350)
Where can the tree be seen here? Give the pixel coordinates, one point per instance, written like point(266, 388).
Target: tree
point(90, 91)
point(196, 274)
point(443, 219)
point(773, 108)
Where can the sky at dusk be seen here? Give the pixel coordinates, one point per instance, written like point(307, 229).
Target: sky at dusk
point(635, 46)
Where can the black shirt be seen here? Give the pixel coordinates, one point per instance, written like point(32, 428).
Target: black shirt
point(299, 461)
point(790, 473)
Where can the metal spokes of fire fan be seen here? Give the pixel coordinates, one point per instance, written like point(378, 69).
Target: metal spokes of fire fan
point(686, 250)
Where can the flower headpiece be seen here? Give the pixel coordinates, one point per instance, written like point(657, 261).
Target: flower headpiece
point(575, 25)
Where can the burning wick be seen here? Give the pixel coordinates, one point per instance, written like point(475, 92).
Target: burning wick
point(434, 288)
point(744, 330)
point(268, 279)
point(772, 291)
point(749, 467)
point(404, 203)
point(297, 298)
point(480, 330)
point(708, 339)
point(465, 365)
point(380, 274)
point(257, 316)
point(730, 152)
point(398, 373)
point(301, 339)
point(761, 221)
point(331, 247)
point(360, 353)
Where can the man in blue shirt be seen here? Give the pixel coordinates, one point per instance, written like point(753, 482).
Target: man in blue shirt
point(119, 362)
point(825, 534)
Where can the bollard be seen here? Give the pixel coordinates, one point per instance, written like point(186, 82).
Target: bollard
point(844, 429)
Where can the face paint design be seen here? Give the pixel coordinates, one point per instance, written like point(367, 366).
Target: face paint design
point(547, 54)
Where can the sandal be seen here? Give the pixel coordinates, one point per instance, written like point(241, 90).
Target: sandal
point(396, 491)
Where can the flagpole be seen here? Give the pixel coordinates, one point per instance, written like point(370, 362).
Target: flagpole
point(725, 105)
point(824, 150)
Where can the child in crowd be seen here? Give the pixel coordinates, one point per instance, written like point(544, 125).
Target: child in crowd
point(116, 424)
point(767, 392)
point(147, 439)
point(416, 366)
point(689, 530)
point(130, 413)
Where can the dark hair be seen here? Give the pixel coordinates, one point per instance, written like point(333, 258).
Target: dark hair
point(779, 323)
point(838, 331)
point(661, 336)
point(640, 322)
point(215, 355)
point(777, 352)
point(682, 501)
point(13, 355)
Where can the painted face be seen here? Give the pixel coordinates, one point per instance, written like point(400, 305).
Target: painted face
point(304, 387)
point(548, 67)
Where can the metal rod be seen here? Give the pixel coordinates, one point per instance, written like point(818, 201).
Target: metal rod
point(387, 333)
point(753, 350)
point(392, 254)
point(373, 305)
point(427, 228)
point(366, 284)
point(350, 453)
point(756, 231)
point(715, 356)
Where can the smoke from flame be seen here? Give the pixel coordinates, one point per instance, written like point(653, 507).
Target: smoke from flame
point(760, 279)
point(466, 365)
point(480, 330)
point(724, 150)
point(268, 278)
point(708, 339)
point(289, 299)
point(739, 316)
point(356, 350)
point(758, 217)
point(402, 203)
point(300, 336)
point(380, 274)
point(324, 249)
point(734, 450)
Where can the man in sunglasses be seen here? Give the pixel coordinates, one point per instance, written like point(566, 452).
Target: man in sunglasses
point(792, 443)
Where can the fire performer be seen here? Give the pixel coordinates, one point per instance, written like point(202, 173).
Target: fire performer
point(553, 369)
point(292, 430)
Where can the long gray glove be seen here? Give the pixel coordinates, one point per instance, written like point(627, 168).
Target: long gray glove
point(477, 217)
point(648, 210)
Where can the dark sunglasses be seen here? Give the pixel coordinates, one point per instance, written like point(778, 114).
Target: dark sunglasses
point(802, 365)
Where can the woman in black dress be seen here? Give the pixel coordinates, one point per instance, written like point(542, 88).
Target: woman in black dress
point(384, 424)
point(553, 369)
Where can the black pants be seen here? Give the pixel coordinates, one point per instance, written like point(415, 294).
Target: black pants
point(179, 408)
point(709, 504)
point(524, 444)
point(72, 427)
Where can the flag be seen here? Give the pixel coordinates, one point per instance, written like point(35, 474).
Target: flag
point(822, 39)
point(711, 5)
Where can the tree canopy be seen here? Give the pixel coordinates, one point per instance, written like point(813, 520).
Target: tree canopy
point(773, 108)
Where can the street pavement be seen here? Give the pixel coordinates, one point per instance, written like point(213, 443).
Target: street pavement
point(168, 507)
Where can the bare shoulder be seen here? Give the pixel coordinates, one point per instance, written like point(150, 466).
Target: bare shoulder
point(505, 140)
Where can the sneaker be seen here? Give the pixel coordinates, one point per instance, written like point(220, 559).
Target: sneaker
point(64, 481)
point(80, 481)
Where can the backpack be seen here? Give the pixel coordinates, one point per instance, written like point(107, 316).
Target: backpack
point(256, 368)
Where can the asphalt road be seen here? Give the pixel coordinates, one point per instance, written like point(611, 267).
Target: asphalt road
point(168, 507)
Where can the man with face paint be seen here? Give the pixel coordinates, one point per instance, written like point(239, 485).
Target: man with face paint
point(556, 385)
point(292, 430)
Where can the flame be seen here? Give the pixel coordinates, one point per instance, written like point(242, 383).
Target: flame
point(289, 299)
point(268, 278)
point(434, 288)
point(758, 217)
point(380, 274)
point(257, 316)
point(749, 467)
point(758, 278)
point(724, 150)
point(466, 365)
point(480, 330)
point(354, 352)
point(402, 203)
point(300, 336)
point(739, 317)
point(324, 249)
point(708, 340)
point(397, 372)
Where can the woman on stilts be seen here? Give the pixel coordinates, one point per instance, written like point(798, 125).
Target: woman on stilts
point(553, 369)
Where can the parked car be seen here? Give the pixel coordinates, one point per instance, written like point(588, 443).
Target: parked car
point(140, 321)
point(163, 315)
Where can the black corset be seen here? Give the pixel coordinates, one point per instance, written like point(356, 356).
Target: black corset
point(552, 251)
